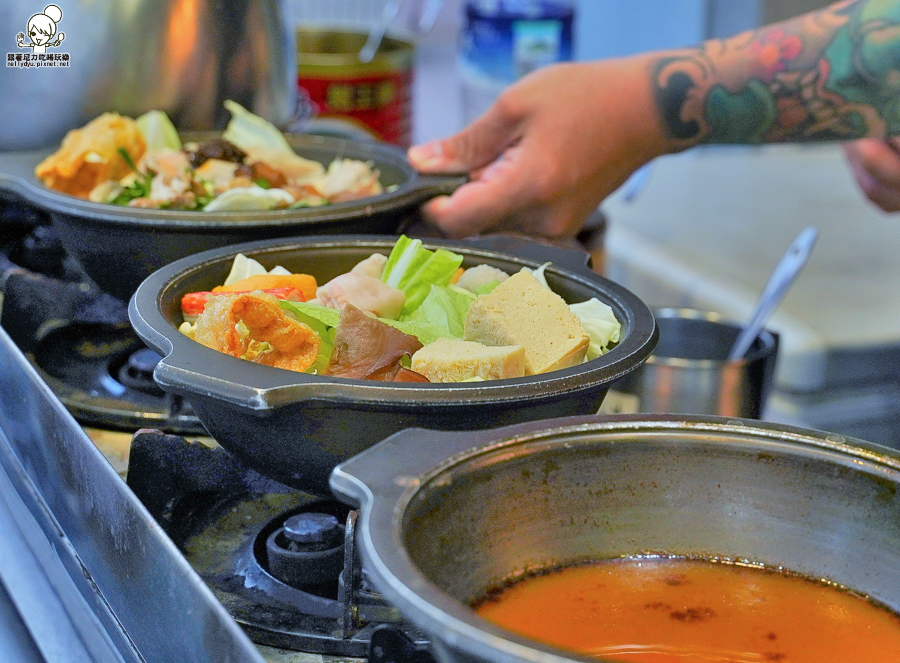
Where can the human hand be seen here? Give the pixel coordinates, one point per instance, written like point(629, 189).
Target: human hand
point(551, 148)
point(876, 166)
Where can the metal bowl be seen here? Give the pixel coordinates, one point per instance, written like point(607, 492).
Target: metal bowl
point(296, 427)
point(119, 246)
point(447, 516)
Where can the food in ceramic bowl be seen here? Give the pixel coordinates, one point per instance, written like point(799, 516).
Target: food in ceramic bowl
point(296, 426)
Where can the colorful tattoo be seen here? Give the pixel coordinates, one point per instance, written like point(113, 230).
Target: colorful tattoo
point(833, 74)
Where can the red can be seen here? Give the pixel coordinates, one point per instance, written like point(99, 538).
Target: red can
point(374, 96)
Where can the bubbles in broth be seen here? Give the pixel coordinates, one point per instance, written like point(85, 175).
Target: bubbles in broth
point(676, 610)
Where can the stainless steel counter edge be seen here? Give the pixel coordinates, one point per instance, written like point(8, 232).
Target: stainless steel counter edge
point(90, 574)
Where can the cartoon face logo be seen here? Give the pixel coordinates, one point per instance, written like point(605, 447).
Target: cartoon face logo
point(42, 29)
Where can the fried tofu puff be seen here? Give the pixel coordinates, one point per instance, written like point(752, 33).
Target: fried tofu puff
point(253, 326)
point(90, 155)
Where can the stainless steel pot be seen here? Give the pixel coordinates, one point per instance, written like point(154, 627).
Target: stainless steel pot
point(185, 58)
point(447, 516)
point(689, 371)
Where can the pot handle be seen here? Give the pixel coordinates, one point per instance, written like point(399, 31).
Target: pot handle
point(576, 260)
point(426, 187)
point(397, 463)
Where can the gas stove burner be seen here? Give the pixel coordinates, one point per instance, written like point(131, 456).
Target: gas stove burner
point(282, 562)
point(103, 373)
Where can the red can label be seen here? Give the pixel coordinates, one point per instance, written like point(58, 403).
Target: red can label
point(381, 104)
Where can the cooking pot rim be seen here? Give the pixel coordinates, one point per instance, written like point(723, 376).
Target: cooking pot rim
point(262, 387)
point(383, 481)
point(414, 189)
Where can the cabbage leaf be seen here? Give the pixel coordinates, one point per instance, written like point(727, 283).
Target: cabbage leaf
point(600, 323)
point(414, 269)
point(446, 307)
point(158, 131)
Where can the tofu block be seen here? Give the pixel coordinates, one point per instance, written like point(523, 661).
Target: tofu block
point(448, 360)
point(521, 311)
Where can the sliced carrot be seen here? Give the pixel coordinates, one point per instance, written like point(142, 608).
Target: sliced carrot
point(456, 275)
point(305, 283)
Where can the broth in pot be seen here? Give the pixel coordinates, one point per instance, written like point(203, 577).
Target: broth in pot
point(652, 609)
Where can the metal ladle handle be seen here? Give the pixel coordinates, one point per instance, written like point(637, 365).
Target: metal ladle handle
point(782, 277)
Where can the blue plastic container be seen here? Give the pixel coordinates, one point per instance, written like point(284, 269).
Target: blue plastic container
point(503, 40)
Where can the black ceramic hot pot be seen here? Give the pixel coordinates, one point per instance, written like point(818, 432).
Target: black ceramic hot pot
point(120, 246)
point(445, 517)
point(296, 427)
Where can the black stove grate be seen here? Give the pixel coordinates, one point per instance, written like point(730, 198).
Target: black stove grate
point(81, 341)
point(220, 515)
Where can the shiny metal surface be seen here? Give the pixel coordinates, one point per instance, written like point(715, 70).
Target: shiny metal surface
point(181, 56)
point(94, 578)
point(689, 371)
point(533, 496)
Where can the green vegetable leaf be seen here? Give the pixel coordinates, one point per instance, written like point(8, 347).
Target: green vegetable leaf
point(414, 269)
point(262, 183)
point(128, 159)
point(139, 188)
point(325, 315)
point(322, 321)
point(329, 318)
point(446, 307)
point(158, 131)
point(487, 288)
point(423, 330)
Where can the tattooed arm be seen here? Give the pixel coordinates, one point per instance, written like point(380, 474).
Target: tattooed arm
point(560, 140)
point(833, 74)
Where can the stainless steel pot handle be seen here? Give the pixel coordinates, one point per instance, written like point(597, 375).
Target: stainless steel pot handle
point(398, 462)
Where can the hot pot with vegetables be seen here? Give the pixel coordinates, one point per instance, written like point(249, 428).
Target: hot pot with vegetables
point(129, 195)
point(298, 354)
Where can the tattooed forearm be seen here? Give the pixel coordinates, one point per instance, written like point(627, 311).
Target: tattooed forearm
point(833, 74)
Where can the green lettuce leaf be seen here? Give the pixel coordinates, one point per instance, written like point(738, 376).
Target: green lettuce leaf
point(445, 306)
point(423, 330)
point(325, 315)
point(321, 320)
point(600, 323)
point(414, 269)
point(324, 322)
point(158, 131)
point(487, 288)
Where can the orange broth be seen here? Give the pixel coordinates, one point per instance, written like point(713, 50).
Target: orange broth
point(673, 610)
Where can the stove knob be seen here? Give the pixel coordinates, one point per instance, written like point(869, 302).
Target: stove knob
point(144, 361)
point(314, 531)
point(307, 550)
